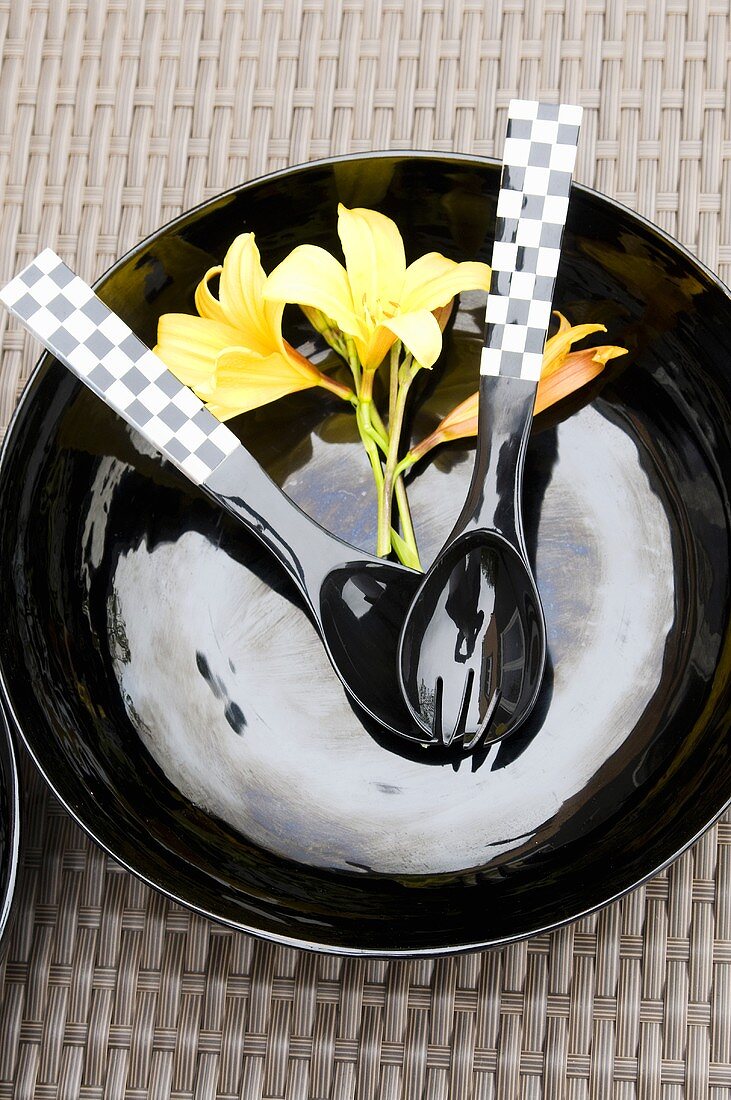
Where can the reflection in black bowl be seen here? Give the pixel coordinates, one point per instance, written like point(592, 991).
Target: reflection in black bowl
point(169, 684)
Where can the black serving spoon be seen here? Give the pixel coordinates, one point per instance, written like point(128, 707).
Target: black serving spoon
point(357, 601)
point(473, 645)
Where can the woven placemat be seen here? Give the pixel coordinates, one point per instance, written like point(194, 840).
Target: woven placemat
point(116, 115)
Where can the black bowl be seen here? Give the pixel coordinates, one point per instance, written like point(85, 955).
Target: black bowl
point(9, 822)
point(172, 689)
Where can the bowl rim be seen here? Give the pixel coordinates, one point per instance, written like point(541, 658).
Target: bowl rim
point(12, 719)
point(6, 902)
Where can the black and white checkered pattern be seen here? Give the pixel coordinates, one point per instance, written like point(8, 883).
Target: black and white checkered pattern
point(538, 161)
point(67, 317)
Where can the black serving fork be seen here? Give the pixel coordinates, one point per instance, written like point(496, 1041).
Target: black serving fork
point(473, 645)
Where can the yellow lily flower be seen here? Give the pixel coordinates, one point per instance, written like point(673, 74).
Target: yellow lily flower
point(563, 371)
point(375, 299)
point(233, 355)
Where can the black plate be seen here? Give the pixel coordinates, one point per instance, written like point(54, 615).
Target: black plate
point(9, 822)
point(174, 693)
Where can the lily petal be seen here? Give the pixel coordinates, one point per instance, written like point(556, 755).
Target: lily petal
point(559, 345)
point(576, 370)
point(240, 291)
point(374, 257)
point(460, 423)
point(234, 355)
point(604, 353)
point(373, 350)
point(189, 346)
point(310, 276)
point(443, 314)
point(433, 280)
point(462, 420)
point(244, 380)
point(418, 331)
point(205, 301)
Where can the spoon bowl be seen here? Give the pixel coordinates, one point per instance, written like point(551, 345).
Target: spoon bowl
point(362, 608)
point(473, 642)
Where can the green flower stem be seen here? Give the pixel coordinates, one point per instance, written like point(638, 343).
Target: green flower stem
point(366, 386)
point(366, 410)
point(385, 503)
point(407, 527)
point(336, 342)
point(406, 463)
point(380, 432)
point(375, 436)
point(371, 437)
point(371, 421)
point(371, 447)
point(353, 361)
point(393, 380)
point(402, 501)
point(328, 330)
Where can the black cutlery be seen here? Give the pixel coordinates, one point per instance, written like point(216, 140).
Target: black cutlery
point(473, 645)
point(357, 601)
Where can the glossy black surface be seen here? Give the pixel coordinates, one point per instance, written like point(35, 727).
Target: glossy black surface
point(358, 602)
point(332, 576)
point(473, 644)
point(9, 822)
point(168, 680)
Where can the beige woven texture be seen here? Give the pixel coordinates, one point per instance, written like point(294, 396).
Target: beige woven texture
point(113, 118)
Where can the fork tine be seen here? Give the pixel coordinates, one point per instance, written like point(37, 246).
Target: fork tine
point(461, 723)
point(484, 725)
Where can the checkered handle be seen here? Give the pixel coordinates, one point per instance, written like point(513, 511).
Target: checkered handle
point(67, 317)
point(538, 162)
